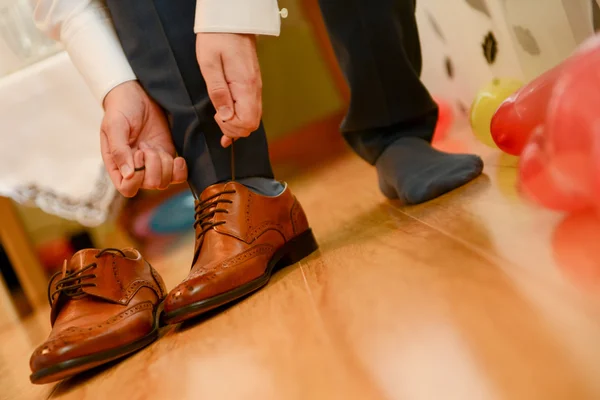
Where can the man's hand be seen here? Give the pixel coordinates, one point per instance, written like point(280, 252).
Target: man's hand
point(135, 134)
point(229, 64)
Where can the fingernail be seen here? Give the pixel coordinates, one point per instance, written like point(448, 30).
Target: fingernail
point(225, 112)
point(180, 163)
point(126, 170)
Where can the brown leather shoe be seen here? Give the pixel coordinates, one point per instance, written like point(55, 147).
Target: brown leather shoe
point(104, 306)
point(241, 238)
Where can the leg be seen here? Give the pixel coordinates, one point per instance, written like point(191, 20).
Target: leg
point(242, 235)
point(159, 42)
point(392, 117)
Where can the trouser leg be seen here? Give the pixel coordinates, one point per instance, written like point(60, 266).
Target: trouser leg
point(378, 49)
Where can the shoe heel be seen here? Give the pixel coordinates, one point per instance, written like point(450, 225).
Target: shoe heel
point(297, 249)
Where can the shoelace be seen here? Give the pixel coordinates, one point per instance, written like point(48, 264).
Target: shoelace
point(72, 283)
point(207, 209)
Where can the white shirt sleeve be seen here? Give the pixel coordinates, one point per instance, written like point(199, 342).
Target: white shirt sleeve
point(259, 17)
point(85, 29)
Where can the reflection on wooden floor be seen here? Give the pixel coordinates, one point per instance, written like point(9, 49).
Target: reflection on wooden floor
point(476, 295)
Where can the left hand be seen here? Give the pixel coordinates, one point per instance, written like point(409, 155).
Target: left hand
point(135, 133)
point(229, 65)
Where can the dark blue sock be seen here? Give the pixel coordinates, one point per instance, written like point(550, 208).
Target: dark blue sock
point(263, 186)
point(414, 172)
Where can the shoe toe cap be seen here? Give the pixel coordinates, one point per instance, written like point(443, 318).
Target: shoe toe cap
point(74, 342)
point(55, 350)
point(186, 293)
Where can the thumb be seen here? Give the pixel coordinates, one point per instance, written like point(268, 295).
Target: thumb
point(218, 89)
point(117, 134)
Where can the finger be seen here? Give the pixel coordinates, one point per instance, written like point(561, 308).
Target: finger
point(243, 124)
point(117, 134)
point(226, 141)
point(246, 90)
point(153, 171)
point(259, 108)
point(180, 172)
point(130, 187)
point(247, 107)
point(218, 89)
point(232, 128)
point(166, 161)
point(109, 163)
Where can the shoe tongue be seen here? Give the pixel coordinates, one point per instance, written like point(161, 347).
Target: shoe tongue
point(219, 187)
point(82, 258)
point(211, 191)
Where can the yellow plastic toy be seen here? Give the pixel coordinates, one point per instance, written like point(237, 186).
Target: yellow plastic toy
point(485, 105)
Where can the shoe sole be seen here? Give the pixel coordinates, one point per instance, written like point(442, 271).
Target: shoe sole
point(290, 253)
point(68, 368)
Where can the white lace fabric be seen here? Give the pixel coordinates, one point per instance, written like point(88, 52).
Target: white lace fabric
point(49, 143)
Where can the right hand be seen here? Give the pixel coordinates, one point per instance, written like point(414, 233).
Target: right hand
point(229, 65)
point(134, 134)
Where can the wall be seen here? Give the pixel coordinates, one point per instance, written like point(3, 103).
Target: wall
point(298, 87)
point(467, 43)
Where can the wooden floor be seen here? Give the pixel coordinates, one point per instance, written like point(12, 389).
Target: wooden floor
point(477, 295)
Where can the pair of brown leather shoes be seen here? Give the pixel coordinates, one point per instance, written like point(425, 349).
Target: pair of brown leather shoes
point(106, 303)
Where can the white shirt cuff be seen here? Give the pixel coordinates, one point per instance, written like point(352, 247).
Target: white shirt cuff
point(260, 17)
point(94, 48)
